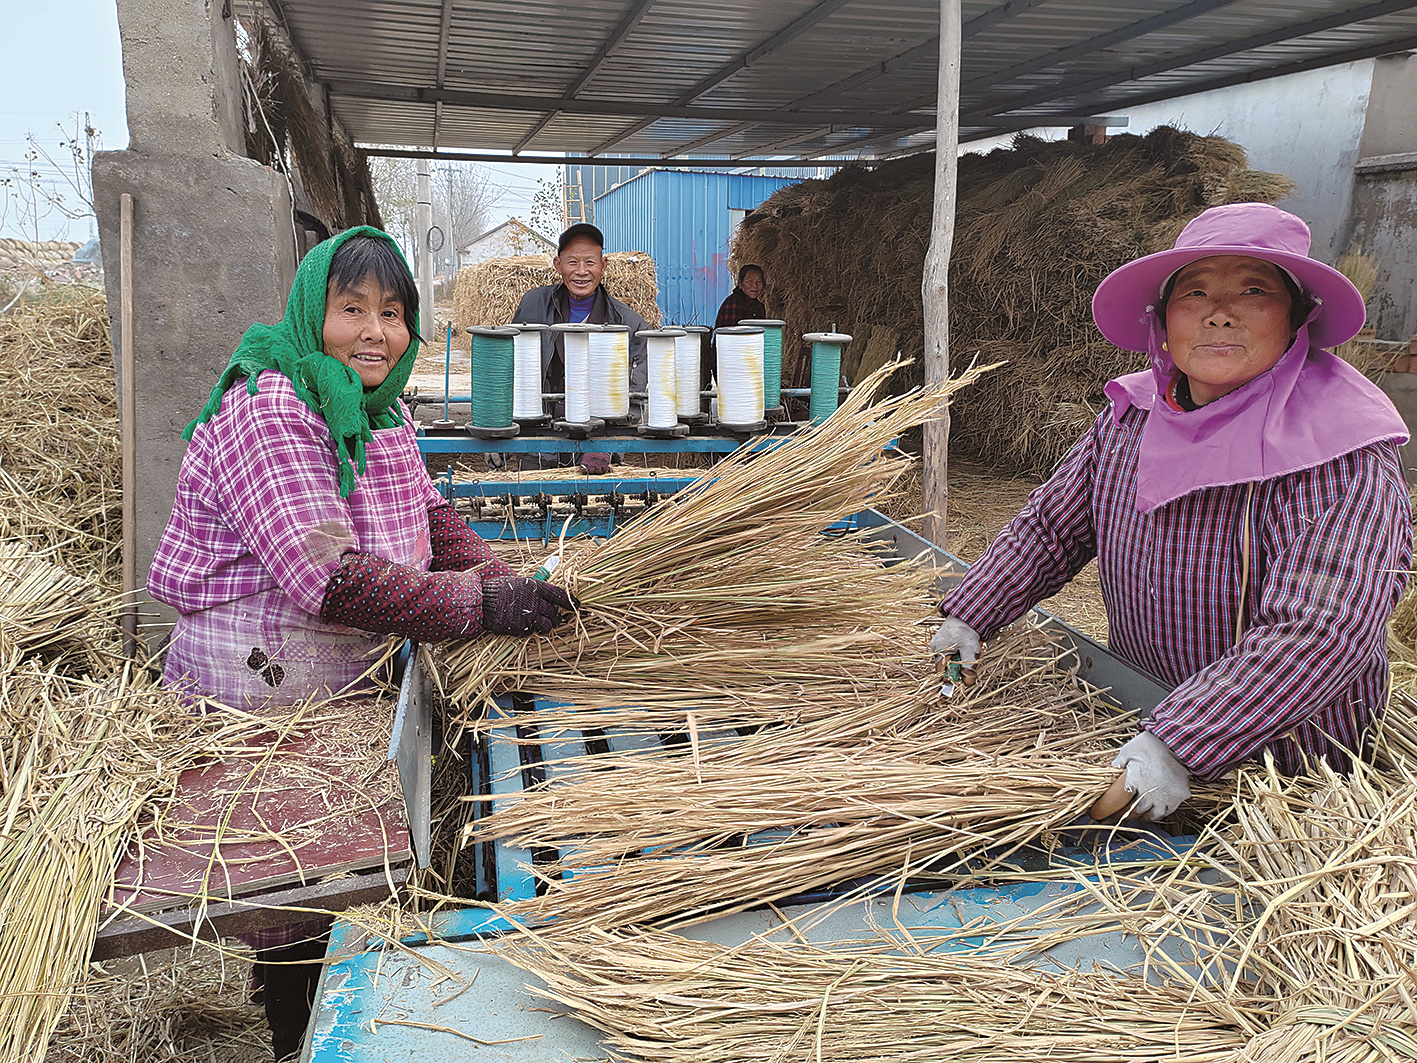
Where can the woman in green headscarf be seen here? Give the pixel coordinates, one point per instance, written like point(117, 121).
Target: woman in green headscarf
point(306, 530)
point(306, 527)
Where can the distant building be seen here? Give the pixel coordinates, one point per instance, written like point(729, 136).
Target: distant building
point(512, 237)
point(685, 219)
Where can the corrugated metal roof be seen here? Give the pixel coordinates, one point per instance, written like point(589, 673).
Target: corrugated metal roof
point(791, 78)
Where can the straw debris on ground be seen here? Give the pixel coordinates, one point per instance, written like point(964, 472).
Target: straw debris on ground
point(1037, 227)
point(487, 293)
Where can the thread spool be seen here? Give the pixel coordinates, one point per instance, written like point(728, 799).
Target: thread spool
point(575, 345)
point(689, 377)
point(492, 356)
point(661, 370)
point(527, 408)
point(740, 377)
point(772, 359)
point(610, 372)
point(826, 372)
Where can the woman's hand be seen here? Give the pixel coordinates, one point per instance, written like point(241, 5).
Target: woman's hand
point(1160, 781)
point(516, 605)
point(954, 635)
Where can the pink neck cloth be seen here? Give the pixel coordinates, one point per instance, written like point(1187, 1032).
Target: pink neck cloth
point(1309, 409)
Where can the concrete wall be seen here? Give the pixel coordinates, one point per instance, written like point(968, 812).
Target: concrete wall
point(1306, 126)
point(1383, 223)
point(213, 242)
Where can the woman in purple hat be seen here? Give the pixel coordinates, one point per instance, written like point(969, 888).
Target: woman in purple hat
point(1245, 504)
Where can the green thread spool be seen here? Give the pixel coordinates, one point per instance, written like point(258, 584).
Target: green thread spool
point(826, 372)
point(492, 361)
point(772, 359)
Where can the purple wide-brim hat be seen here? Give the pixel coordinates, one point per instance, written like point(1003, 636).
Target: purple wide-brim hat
point(1126, 298)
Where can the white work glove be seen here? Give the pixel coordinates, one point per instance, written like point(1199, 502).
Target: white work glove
point(956, 636)
point(1160, 781)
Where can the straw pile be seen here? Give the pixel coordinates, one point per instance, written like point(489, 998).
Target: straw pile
point(1037, 227)
point(175, 1008)
point(60, 490)
point(487, 293)
point(1286, 935)
point(910, 786)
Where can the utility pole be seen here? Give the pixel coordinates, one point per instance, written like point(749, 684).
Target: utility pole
point(424, 222)
point(936, 282)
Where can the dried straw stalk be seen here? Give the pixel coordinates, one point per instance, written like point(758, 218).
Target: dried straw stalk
point(735, 567)
point(665, 999)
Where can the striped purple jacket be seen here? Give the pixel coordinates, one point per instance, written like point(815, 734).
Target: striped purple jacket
point(1331, 551)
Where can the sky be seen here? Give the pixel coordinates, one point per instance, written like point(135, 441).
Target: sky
point(63, 58)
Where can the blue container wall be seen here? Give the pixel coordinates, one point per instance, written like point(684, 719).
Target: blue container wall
point(683, 220)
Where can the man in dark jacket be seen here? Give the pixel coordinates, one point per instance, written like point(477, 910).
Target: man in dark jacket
point(580, 260)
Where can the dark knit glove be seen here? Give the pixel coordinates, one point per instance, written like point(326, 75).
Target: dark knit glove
point(456, 547)
point(516, 605)
point(372, 594)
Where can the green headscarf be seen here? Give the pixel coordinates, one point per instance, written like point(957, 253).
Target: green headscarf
point(295, 347)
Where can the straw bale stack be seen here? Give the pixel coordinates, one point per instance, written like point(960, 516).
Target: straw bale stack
point(36, 254)
point(60, 477)
point(1037, 227)
point(487, 293)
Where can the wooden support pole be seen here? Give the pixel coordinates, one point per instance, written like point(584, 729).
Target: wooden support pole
point(936, 283)
point(128, 424)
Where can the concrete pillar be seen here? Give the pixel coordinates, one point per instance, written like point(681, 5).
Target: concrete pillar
point(1383, 217)
point(214, 239)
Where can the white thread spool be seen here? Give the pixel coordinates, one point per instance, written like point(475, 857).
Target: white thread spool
point(740, 375)
point(610, 372)
point(526, 372)
point(575, 340)
point(661, 354)
point(688, 358)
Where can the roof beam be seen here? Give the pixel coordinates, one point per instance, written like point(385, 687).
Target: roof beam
point(928, 47)
point(381, 90)
point(443, 29)
point(710, 138)
point(1080, 86)
point(617, 36)
point(787, 142)
point(1094, 44)
point(742, 61)
point(581, 160)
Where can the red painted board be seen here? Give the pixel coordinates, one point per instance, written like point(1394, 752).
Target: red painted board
point(334, 809)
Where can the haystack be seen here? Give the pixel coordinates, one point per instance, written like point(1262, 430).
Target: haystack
point(487, 293)
point(1037, 227)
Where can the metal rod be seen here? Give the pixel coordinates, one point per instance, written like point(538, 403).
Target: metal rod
point(447, 373)
point(128, 424)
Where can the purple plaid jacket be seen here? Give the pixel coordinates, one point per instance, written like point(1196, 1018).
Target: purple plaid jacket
point(1331, 551)
point(256, 531)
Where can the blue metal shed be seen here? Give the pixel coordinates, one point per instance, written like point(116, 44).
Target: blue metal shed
point(685, 220)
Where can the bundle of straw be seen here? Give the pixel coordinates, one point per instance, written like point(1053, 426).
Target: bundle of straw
point(732, 569)
point(666, 999)
point(41, 606)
